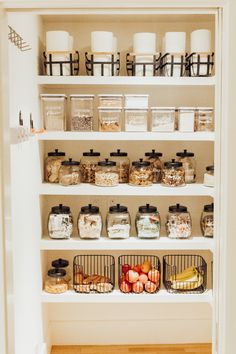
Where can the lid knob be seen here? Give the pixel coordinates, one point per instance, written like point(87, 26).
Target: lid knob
point(56, 150)
point(106, 160)
point(118, 150)
point(91, 151)
point(147, 205)
point(141, 160)
point(172, 160)
point(90, 206)
point(60, 206)
point(153, 151)
point(118, 206)
point(177, 205)
point(185, 150)
point(70, 159)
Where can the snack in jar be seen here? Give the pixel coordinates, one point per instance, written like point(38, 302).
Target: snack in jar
point(88, 165)
point(148, 222)
point(81, 112)
point(106, 174)
point(89, 222)
point(60, 222)
point(178, 223)
point(110, 119)
point(57, 280)
point(189, 165)
point(141, 173)
point(205, 119)
point(122, 163)
point(173, 174)
point(207, 220)
point(52, 165)
point(154, 158)
point(69, 173)
point(118, 222)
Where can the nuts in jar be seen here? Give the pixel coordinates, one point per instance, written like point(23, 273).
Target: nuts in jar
point(81, 112)
point(88, 165)
point(60, 222)
point(207, 220)
point(118, 222)
point(141, 173)
point(173, 174)
point(52, 165)
point(154, 158)
point(106, 174)
point(122, 163)
point(178, 224)
point(89, 222)
point(69, 173)
point(148, 222)
point(189, 165)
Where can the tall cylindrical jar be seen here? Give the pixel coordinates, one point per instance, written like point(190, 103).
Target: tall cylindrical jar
point(122, 163)
point(52, 165)
point(178, 223)
point(118, 222)
point(89, 222)
point(60, 222)
point(154, 158)
point(88, 165)
point(189, 165)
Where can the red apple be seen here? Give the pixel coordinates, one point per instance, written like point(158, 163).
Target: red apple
point(137, 287)
point(125, 287)
point(146, 266)
point(122, 278)
point(143, 278)
point(150, 287)
point(137, 268)
point(131, 276)
point(154, 275)
point(125, 268)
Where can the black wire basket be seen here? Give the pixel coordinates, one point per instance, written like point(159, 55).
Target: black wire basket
point(93, 273)
point(184, 274)
point(103, 68)
point(173, 64)
point(200, 64)
point(69, 67)
point(132, 66)
point(139, 274)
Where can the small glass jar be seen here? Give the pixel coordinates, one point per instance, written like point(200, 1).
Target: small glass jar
point(52, 165)
point(163, 119)
point(56, 282)
point(209, 179)
point(189, 165)
point(148, 222)
point(54, 111)
point(122, 163)
point(60, 222)
point(186, 121)
point(207, 220)
point(173, 174)
point(62, 264)
point(110, 101)
point(154, 158)
point(141, 173)
point(89, 222)
point(136, 120)
point(178, 223)
point(106, 174)
point(110, 119)
point(205, 119)
point(118, 222)
point(69, 173)
point(134, 101)
point(82, 112)
point(88, 165)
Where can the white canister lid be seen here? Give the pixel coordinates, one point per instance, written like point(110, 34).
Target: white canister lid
point(108, 109)
point(136, 109)
point(110, 95)
point(205, 108)
point(162, 108)
point(82, 96)
point(186, 108)
point(53, 95)
point(134, 95)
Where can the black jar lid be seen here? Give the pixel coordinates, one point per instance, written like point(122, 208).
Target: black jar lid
point(173, 163)
point(89, 209)
point(60, 209)
point(107, 163)
point(70, 162)
point(153, 153)
point(56, 273)
point(56, 153)
point(209, 207)
point(185, 153)
point(178, 209)
point(91, 153)
point(147, 209)
point(118, 209)
point(141, 163)
point(60, 263)
point(210, 168)
point(118, 153)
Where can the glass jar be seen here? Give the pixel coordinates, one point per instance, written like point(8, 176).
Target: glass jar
point(110, 119)
point(88, 165)
point(106, 174)
point(189, 165)
point(163, 119)
point(136, 120)
point(207, 220)
point(82, 112)
point(110, 101)
point(56, 282)
point(118, 222)
point(205, 119)
point(178, 223)
point(186, 120)
point(134, 101)
point(148, 222)
point(209, 176)
point(122, 163)
point(69, 173)
point(53, 111)
point(141, 173)
point(62, 264)
point(173, 174)
point(52, 165)
point(154, 158)
point(60, 222)
point(89, 222)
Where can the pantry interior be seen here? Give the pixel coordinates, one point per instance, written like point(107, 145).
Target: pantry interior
point(72, 318)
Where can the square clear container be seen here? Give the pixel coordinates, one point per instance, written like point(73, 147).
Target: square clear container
point(110, 119)
point(54, 111)
point(136, 101)
point(81, 108)
point(205, 119)
point(110, 101)
point(163, 119)
point(186, 119)
point(136, 120)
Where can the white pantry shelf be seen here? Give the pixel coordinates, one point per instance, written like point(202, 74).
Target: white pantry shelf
point(126, 190)
point(118, 297)
point(127, 136)
point(133, 243)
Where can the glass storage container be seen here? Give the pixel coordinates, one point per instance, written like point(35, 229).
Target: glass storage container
point(209, 176)
point(136, 101)
point(207, 220)
point(88, 165)
point(136, 120)
point(60, 222)
point(148, 222)
point(154, 158)
point(118, 222)
point(106, 174)
point(122, 163)
point(205, 119)
point(62, 264)
point(82, 107)
point(173, 174)
point(163, 119)
point(141, 173)
point(54, 111)
point(178, 223)
point(52, 165)
point(56, 282)
point(110, 119)
point(186, 121)
point(110, 101)
point(69, 173)
point(89, 222)
point(189, 165)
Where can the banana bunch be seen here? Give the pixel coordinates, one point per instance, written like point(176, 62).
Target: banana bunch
point(189, 279)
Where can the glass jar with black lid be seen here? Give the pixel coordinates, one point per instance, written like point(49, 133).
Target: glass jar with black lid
point(57, 281)
point(189, 165)
point(88, 164)
point(178, 223)
point(207, 220)
point(89, 222)
point(60, 222)
point(106, 174)
point(148, 222)
point(122, 163)
point(154, 158)
point(118, 222)
point(69, 173)
point(141, 173)
point(173, 174)
point(52, 165)
point(209, 179)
